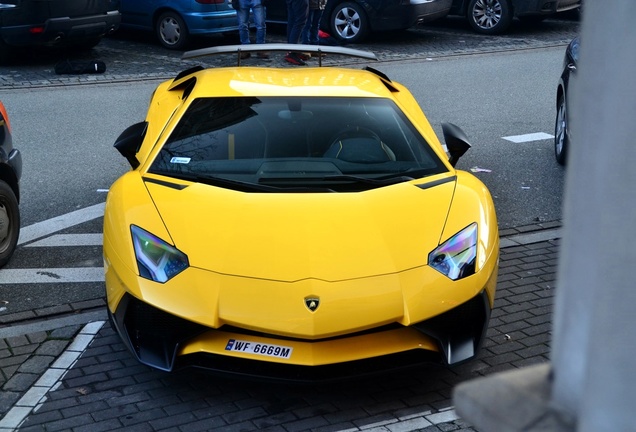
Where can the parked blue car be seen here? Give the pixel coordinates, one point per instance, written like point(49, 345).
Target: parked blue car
point(175, 22)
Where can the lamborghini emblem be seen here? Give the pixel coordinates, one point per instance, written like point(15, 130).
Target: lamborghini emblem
point(312, 303)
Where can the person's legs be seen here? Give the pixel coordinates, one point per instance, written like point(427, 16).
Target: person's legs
point(258, 11)
point(243, 16)
point(315, 17)
point(305, 33)
point(297, 11)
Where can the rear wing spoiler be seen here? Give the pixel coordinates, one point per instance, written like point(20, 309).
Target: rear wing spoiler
point(267, 47)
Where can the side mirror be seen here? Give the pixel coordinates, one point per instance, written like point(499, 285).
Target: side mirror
point(456, 142)
point(129, 142)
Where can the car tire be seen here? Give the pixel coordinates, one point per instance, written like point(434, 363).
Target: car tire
point(9, 222)
point(348, 22)
point(489, 16)
point(561, 138)
point(172, 31)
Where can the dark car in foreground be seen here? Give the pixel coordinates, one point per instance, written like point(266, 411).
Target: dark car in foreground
point(561, 126)
point(176, 22)
point(350, 21)
point(10, 172)
point(495, 16)
point(66, 23)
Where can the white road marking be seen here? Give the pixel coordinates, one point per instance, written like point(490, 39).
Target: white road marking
point(539, 136)
point(49, 226)
point(52, 275)
point(58, 240)
point(36, 395)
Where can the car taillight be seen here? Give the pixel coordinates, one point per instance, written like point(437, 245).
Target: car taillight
point(36, 30)
point(5, 116)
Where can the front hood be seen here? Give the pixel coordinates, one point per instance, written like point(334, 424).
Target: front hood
point(296, 236)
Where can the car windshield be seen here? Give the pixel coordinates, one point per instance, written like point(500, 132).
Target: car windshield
point(312, 144)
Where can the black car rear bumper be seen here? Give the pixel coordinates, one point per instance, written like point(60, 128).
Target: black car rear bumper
point(61, 31)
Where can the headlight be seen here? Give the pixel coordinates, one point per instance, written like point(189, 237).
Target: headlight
point(156, 259)
point(456, 257)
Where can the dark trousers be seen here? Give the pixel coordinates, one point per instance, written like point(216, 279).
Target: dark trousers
point(297, 11)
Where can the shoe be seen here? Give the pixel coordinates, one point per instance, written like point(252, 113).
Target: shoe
point(294, 59)
point(263, 55)
point(245, 55)
point(304, 56)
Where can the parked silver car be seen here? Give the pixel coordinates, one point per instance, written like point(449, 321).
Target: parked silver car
point(351, 21)
point(495, 16)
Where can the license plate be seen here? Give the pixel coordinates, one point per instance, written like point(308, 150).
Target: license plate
point(262, 349)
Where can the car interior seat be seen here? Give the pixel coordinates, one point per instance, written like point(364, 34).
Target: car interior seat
point(359, 145)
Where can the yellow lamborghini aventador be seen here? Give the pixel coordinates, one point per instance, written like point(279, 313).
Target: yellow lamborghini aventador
point(296, 223)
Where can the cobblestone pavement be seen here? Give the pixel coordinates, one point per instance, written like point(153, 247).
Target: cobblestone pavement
point(136, 56)
point(64, 369)
point(80, 377)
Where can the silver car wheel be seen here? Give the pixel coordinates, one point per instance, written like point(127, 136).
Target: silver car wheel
point(561, 131)
point(5, 225)
point(170, 30)
point(487, 13)
point(347, 23)
point(9, 222)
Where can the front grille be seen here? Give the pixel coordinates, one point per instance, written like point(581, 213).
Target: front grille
point(269, 371)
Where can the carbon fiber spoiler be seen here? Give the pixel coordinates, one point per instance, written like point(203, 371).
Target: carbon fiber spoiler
point(267, 47)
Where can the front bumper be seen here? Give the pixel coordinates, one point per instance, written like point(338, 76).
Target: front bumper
point(167, 342)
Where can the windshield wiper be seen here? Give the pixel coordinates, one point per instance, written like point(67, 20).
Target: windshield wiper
point(234, 184)
point(340, 178)
point(377, 181)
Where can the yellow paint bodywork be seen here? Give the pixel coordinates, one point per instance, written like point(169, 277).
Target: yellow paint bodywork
point(255, 257)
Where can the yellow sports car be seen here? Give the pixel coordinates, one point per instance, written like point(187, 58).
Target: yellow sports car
point(299, 224)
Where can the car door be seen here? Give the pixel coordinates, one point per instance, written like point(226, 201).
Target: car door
point(138, 13)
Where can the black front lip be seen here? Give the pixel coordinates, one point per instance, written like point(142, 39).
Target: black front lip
point(154, 338)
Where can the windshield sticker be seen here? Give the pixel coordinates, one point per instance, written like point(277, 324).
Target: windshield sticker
point(180, 160)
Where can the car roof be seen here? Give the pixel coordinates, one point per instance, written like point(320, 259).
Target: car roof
point(282, 81)
point(267, 81)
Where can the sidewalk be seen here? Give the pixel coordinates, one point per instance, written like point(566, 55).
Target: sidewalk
point(37, 354)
